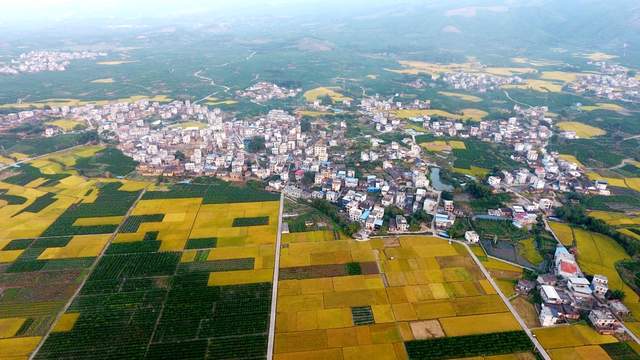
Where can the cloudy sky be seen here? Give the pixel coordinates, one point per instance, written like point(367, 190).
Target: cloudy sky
point(38, 10)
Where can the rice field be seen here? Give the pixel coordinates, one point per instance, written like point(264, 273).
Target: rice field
point(564, 233)
point(48, 246)
point(538, 85)
point(464, 114)
point(583, 131)
point(603, 106)
point(441, 145)
point(435, 70)
point(465, 97)
point(66, 124)
point(408, 289)
point(573, 341)
point(206, 283)
point(318, 93)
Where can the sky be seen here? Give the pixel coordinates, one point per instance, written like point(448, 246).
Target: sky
point(55, 10)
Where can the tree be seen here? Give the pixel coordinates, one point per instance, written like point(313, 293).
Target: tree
point(180, 155)
point(305, 124)
point(255, 144)
point(615, 295)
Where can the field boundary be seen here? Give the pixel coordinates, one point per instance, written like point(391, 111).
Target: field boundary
point(81, 285)
point(274, 287)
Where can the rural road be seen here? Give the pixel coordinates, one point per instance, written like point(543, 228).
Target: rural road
point(274, 292)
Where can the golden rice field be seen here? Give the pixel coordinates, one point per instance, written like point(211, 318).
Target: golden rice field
point(603, 106)
point(616, 218)
point(317, 93)
point(583, 131)
point(313, 113)
point(537, 85)
point(18, 348)
point(76, 102)
point(465, 97)
point(465, 114)
point(571, 159)
point(66, 124)
point(564, 233)
point(80, 246)
point(423, 288)
point(598, 254)
point(562, 340)
point(10, 326)
point(212, 101)
point(566, 77)
point(598, 56)
point(103, 81)
point(433, 69)
point(190, 124)
point(441, 145)
point(629, 183)
point(66, 322)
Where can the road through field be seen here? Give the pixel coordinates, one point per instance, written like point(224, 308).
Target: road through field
point(515, 314)
point(274, 290)
point(95, 263)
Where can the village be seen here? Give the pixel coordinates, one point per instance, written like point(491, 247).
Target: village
point(181, 138)
point(45, 61)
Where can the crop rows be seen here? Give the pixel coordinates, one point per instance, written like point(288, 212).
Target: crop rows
point(12, 199)
point(252, 221)
point(40, 203)
point(620, 351)
point(214, 192)
point(29, 173)
point(132, 224)
point(110, 202)
point(206, 243)
point(469, 346)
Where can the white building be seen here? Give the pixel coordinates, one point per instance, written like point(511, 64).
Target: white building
point(550, 295)
point(472, 237)
point(547, 317)
point(599, 285)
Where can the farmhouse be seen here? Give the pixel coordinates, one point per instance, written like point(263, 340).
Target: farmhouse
point(565, 263)
point(550, 295)
point(604, 321)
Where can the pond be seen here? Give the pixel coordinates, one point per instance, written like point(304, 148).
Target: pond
point(436, 182)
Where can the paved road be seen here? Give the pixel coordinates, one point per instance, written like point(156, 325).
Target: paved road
point(524, 326)
point(91, 269)
point(274, 292)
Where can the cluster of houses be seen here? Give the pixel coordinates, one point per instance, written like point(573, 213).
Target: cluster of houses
point(567, 295)
point(614, 82)
point(381, 112)
point(264, 91)
point(478, 81)
point(45, 61)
